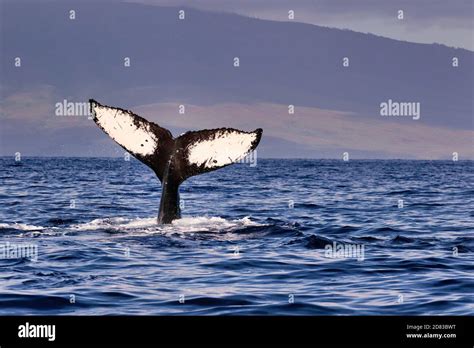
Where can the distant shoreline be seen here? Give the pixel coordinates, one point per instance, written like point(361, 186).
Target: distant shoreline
point(12, 157)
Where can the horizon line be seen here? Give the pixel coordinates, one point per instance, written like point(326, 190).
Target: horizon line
point(259, 158)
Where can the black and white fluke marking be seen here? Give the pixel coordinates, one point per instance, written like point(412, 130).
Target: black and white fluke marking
point(173, 159)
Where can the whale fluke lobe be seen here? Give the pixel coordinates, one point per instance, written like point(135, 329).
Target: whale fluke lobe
point(173, 159)
point(210, 149)
point(146, 141)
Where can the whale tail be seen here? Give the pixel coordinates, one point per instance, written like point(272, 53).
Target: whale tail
point(173, 159)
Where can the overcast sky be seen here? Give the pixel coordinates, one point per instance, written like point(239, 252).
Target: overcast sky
point(449, 22)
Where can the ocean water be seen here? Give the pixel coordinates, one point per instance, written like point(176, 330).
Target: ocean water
point(253, 240)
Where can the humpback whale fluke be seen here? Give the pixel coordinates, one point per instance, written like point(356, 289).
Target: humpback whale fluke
point(173, 159)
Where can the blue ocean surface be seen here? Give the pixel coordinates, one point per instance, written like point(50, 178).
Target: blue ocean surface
point(254, 240)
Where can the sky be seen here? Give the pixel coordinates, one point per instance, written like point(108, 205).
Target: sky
point(281, 64)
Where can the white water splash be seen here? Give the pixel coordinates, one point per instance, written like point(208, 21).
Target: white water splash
point(143, 226)
point(211, 224)
point(21, 227)
point(150, 226)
